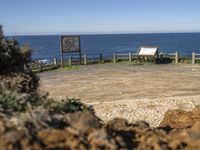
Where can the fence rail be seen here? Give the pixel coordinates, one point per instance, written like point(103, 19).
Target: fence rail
point(195, 57)
point(40, 65)
point(124, 56)
point(85, 59)
point(90, 59)
point(174, 56)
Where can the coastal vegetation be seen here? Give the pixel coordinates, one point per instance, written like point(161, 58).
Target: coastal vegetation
point(19, 85)
point(1, 32)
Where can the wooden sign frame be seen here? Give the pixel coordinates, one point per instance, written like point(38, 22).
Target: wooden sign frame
point(153, 54)
point(70, 44)
point(150, 53)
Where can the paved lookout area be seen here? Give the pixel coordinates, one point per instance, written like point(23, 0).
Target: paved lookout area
point(134, 92)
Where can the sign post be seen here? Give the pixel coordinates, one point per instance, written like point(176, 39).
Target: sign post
point(69, 44)
point(148, 51)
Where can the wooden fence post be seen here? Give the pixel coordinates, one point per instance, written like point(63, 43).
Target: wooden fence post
point(193, 57)
point(41, 66)
point(161, 56)
point(70, 61)
point(114, 57)
point(176, 57)
point(85, 59)
point(55, 61)
point(100, 57)
point(130, 56)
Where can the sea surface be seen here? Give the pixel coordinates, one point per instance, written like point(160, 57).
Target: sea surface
point(48, 46)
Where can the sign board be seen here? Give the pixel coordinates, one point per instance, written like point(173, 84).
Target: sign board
point(148, 51)
point(70, 44)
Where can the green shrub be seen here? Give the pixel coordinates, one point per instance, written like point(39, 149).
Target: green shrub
point(1, 32)
point(12, 102)
point(68, 106)
point(13, 62)
point(18, 85)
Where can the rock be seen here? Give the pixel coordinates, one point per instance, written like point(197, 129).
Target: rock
point(84, 122)
point(196, 111)
point(117, 124)
point(142, 124)
point(61, 139)
point(101, 140)
point(196, 127)
point(180, 118)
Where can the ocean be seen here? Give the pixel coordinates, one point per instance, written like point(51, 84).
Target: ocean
point(48, 46)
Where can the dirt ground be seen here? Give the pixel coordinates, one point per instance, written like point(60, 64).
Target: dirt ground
point(135, 92)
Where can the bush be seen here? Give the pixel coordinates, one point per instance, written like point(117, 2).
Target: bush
point(12, 102)
point(13, 62)
point(69, 106)
point(18, 85)
point(1, 32)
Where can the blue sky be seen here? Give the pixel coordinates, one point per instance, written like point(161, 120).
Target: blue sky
point(99, 16)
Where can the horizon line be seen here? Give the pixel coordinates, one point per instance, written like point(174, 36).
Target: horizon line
point(100, 33)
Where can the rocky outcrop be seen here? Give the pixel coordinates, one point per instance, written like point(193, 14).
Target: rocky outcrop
point(181, 118)
point(82, 130)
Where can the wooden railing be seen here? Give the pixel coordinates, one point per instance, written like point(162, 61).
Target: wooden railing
point(195, 57)
point(124, 56)
point(86, 59)
point(90, 59)
point(129, 56)
point(174, 56)
point(40, 66)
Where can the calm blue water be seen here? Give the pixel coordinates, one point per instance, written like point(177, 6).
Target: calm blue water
point(49, 46)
